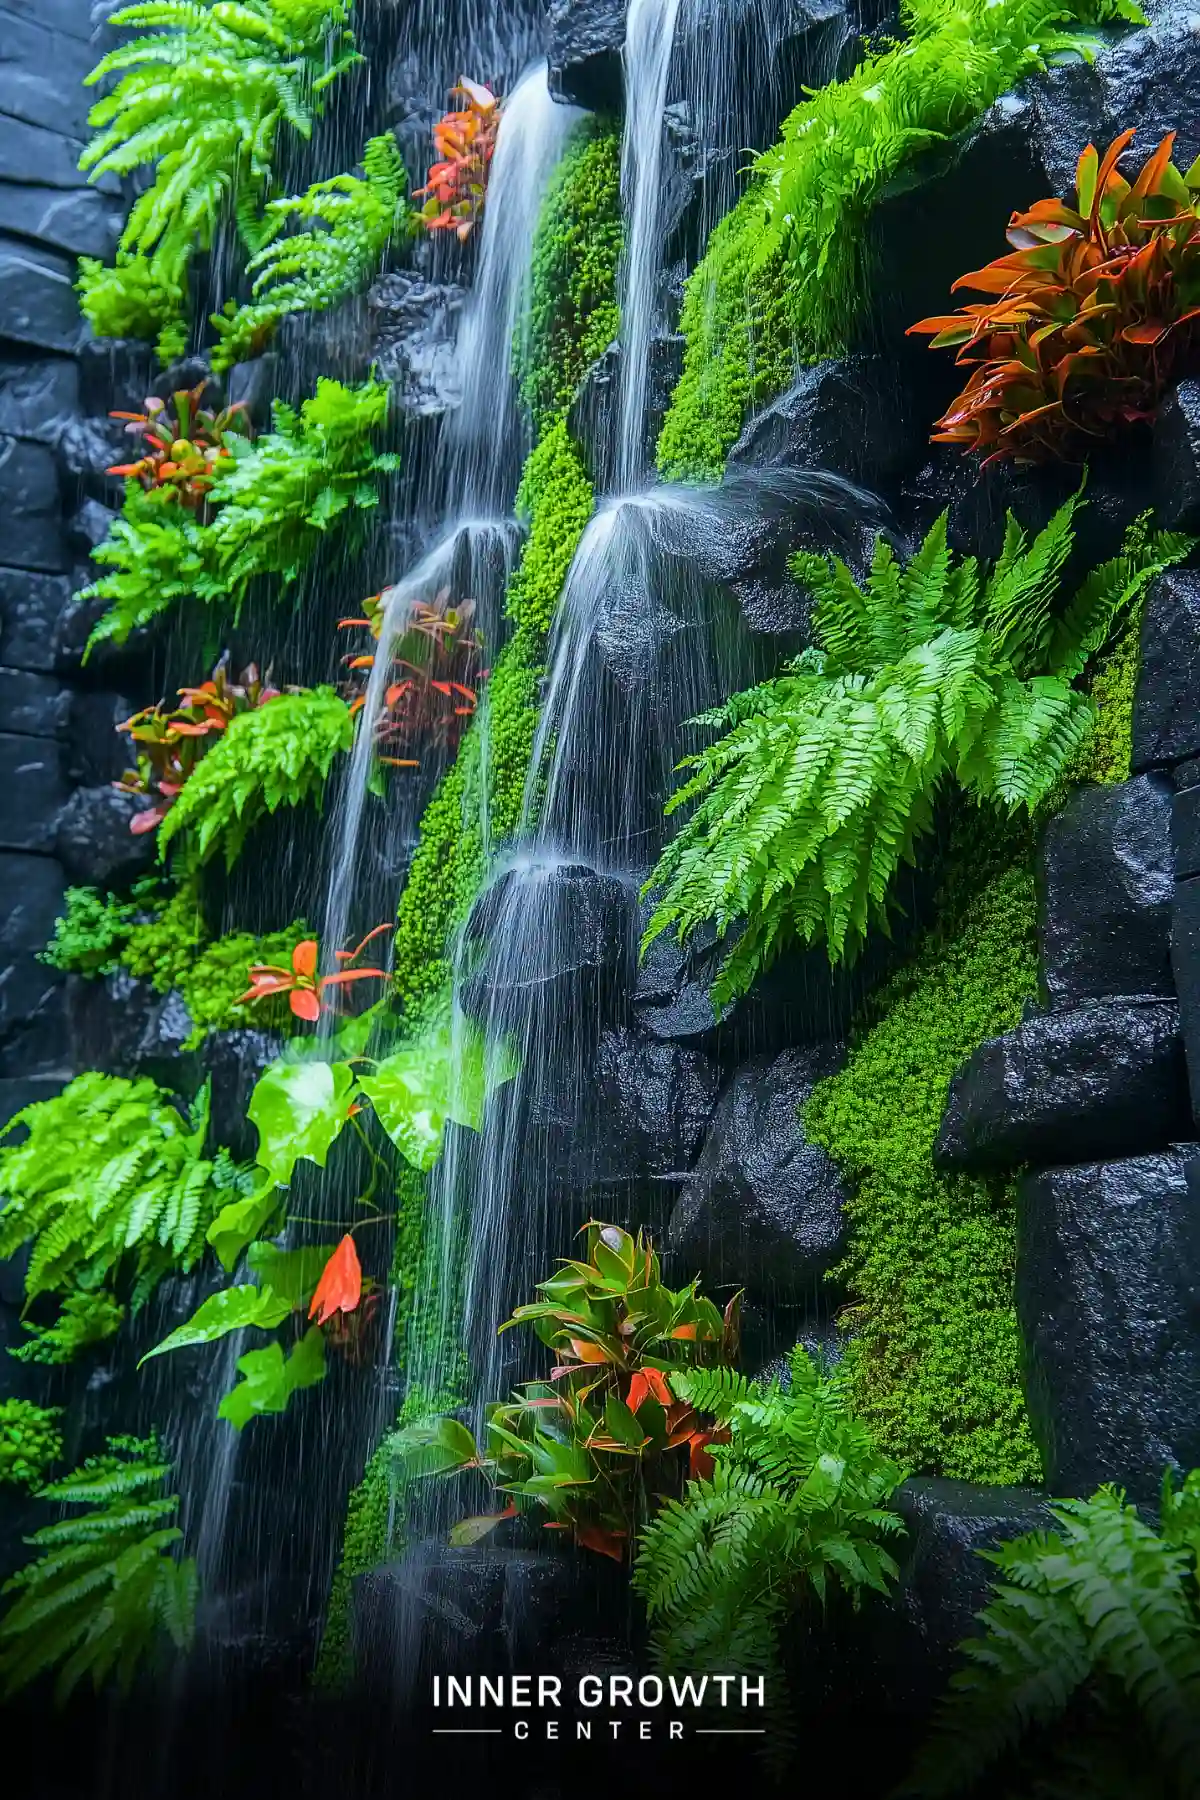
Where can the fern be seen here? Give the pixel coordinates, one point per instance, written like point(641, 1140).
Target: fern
point(84, 1321)
point(796, 1502)
point(829, 774)
point(355, 219)
point(109, 1585)
point(110, 1182)
point(136, 298)
point(1103, 1609)
point(199, 95)
point(279, 755)
point(29, 1442)
point(274, 500)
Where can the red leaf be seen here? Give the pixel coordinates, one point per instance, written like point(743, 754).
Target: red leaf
point(305, 1005)
point(340, 1286)
point(608, 1543)
point(304, 958)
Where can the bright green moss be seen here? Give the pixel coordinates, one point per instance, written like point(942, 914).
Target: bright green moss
point(786, 276)
point(573, 306)
point(936, 1359)
point(29, 1442)
point(167, 944)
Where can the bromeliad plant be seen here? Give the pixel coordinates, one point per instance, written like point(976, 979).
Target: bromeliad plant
point(435, 664)
point(465, 142)
point(183, 443)
point(826, 777)
point(1097, 310)
point(601, 1444)
point(170, 744)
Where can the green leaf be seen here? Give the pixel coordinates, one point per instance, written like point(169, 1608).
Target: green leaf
point(435, 1447)
point(292, 1274)
point(621, 1424)
point(233, 1309)
point(446, 1075)
point(471, 1531)
point(239, 1223)
point(299, 1109)
point(268, 1381)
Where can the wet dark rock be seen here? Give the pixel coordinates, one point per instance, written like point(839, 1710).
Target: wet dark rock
point(584, 43)
point(414, 325)
point(1177, 458)
point(84, 222)
point(944, 211)
point(234, 1060)
point(556, 942)
point(93, 840)
point(253, 385)
point(96, 752)
point(29, 991)
point(1185, 964)
point(1166, 719)
point(1144, 75)
point(634, 1122)
point(594, 416)
point(19, 1091)
point(38, 397)
point(31, 605)
point(115, 373)
point(1064, 1087)
point(1108, 1298)
point(764, 1208)
point(32, 789)
point(88, 448)
point(30, 153)
point(493, 1607)
point(33, 705)
point(944, 1581)
point(29, 506)
point(693, 168)
point(977, 501)
point(188, 372)
point(1185, 831)
point(124, 1026)
point(850, 415)
point(37, 296)
point(1106, 879)
point(42, 74)
point(89, 525)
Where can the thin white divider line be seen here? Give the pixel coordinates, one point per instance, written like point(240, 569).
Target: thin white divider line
point(467, 1731)
point(731, 1731)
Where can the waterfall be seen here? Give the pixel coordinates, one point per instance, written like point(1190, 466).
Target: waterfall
point(649, 38)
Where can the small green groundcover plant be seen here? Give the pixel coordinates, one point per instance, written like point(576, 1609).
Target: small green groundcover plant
point(30, 1441)
point(937, 672)
point(1085, 1682)
point(109, 1588)
point(113, 1191)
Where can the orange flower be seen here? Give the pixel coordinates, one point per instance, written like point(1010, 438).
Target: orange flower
point(340, 1286)
point(301, 983)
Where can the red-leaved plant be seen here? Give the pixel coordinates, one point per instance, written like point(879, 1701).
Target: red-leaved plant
point(435, 674)
point(465, 142)
point(170, 744)
point(1095, 312)
point(182, 443)
point(307, 991)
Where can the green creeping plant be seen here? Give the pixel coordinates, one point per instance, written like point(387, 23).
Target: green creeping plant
point(1089, 1660)
point(29, 1442)
point(111, 1185)
point(352, 220)
point(274, 499)
point(199, 95)
point(825, 778)
point(109, 1585)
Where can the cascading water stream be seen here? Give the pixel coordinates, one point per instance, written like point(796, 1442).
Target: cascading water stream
point(649, 39)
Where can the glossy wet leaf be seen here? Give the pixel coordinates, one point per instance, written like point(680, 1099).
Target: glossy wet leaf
point(445, 1076)
point(292, 1274)
point(239, 1223)
point(233, 1309)
point(269, 1379)
point(435, 1447)
point(299, 1109)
